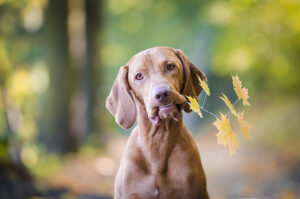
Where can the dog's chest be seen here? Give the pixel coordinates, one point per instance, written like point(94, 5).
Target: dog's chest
point(160, 186)
point(160, 179)
point(162, 172)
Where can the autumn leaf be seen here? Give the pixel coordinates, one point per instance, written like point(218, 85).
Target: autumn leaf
point(204, 85)
point(194, 105)
point(245, 127)
point(242, 93)
point(228, 104)
point(225, 135)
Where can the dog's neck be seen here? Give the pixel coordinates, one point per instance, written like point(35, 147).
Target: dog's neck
point(157, 140)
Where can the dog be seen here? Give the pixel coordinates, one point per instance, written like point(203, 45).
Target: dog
point(161, 159)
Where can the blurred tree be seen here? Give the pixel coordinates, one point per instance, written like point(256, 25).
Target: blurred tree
point(59, 137)
point(93, 26)
point(71, 32)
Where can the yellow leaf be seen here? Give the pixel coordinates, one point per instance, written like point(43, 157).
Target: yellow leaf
point(204, 85)
point(228, 104)
point(225, 135)
point(194, 105)
point(245, 127)
point(242, 93)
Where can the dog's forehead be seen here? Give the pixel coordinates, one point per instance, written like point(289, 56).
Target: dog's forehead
point(152, 57)
point(161, 54)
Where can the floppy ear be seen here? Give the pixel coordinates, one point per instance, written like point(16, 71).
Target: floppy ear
point(191, 86)
point(120, 102)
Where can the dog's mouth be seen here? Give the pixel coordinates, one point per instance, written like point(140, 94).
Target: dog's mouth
point(170, 110)
point(167, 107)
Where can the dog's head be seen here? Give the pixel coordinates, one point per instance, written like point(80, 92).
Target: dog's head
point(159, 78)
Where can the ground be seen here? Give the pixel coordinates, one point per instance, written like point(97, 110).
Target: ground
point(253, 172)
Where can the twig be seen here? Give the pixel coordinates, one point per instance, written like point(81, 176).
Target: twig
point(230, 114)
point(235, 102)
point(204, 100)
point(233, 106)
point(208, 112)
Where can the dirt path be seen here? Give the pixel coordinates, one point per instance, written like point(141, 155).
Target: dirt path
point(252, 172)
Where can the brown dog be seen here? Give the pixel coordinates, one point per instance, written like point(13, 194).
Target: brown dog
point(161, 159)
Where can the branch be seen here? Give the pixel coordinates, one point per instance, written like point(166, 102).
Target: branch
point(204, 100)
point(233, 106)
point(208, 112)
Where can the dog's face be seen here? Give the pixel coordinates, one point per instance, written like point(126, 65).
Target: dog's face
point(156, 78)
point(159, 78)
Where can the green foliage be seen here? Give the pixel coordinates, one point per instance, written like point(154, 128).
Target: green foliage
point(260, 37)
point(47, 165)
point(257, 38)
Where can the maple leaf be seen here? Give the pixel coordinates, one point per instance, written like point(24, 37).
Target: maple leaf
point(245, 127)
point(204, 85)
point(225, 135)
point(228, 104)
point(242, 93)
point(194, 105)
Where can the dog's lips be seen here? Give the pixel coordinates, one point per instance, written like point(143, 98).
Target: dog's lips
point(166, 108)
point(171, 109)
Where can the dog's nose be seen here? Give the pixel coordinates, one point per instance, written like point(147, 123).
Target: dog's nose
point(161, 93)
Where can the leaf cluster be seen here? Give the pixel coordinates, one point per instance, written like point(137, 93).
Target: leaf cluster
point(226, 136)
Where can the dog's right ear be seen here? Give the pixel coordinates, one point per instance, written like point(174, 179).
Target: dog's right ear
point(120, 102)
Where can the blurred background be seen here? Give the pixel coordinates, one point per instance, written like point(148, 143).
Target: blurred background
point(59, 58)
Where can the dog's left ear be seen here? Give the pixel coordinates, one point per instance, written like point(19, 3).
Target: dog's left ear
point(191, 86)
point(120, 102)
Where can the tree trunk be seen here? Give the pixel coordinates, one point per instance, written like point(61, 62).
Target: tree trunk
point(59, 137)
point(91, 71)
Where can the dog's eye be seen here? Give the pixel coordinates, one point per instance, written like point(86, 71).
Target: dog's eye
point(139, 76)
point(170, 67)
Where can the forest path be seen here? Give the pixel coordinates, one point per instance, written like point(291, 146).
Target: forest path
point(253, 172)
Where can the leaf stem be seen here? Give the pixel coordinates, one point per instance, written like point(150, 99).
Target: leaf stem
point(233, 106)
point(204, 100)
point(230, 114)
point(236, 102)
point(208, 111)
